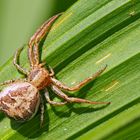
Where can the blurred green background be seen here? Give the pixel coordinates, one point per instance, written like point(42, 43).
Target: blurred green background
point(19, 19)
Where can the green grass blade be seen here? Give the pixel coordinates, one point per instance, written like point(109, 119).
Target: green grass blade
point(88, 36)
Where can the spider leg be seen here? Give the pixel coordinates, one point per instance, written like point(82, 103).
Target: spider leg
point(11, 81)
point(30, 55)
point(77, 87)
point(52, 102)
point(7, 82)
point(51, 71)
point(36, 38)
point(42, 112)
point(15, 61)
point(72, 99)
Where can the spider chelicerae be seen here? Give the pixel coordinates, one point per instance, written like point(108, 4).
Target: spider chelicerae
point(20, 99)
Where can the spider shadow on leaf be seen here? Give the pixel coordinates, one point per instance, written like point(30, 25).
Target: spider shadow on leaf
point(1, 116)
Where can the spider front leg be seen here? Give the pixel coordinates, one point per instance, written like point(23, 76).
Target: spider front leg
point(72, 99)
point(52, 102)
point(15, 61)
point(33, 51)
point(77, 87)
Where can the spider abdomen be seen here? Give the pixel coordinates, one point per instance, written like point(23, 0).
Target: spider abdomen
point(20, 101)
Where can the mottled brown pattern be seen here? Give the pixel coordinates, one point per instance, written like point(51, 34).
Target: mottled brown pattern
point(23, 106)
point(3, 106)
point(33, 103)
point(8, 99)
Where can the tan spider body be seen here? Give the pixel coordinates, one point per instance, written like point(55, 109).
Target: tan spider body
point(20, 100)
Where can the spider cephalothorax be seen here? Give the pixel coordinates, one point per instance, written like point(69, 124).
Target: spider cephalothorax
point(39, 77)
point(20, 100)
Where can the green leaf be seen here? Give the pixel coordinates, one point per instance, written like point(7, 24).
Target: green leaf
point(85, 38)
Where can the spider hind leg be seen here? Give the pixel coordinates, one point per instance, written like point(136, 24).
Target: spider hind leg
point(72, 99)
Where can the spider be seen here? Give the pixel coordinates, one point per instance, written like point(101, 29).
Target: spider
point(20, 100)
